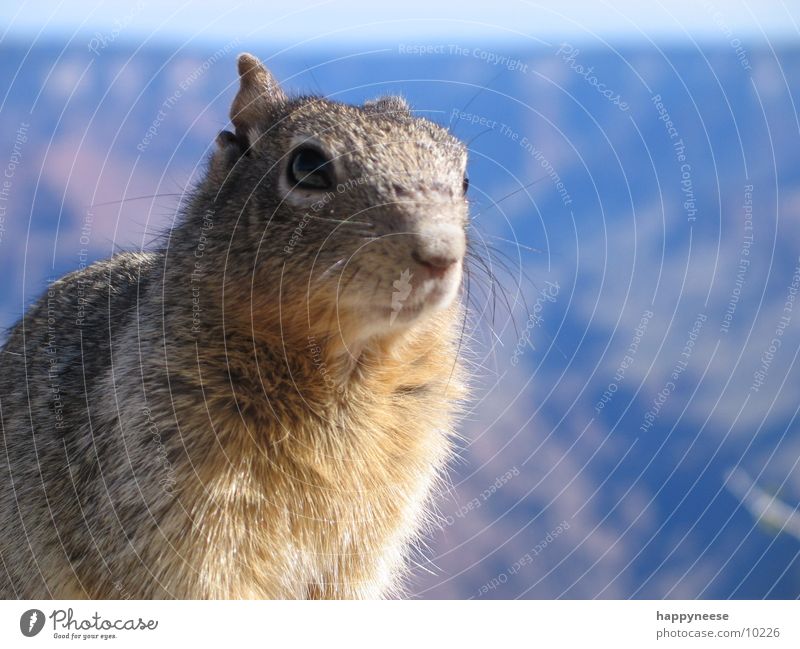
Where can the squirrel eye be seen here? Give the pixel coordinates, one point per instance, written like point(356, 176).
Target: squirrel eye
point(466, 184)
point(309, 168)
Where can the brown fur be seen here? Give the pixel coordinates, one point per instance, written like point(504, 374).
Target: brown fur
point(252, 426)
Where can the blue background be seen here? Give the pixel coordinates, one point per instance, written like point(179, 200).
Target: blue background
point(551, 496)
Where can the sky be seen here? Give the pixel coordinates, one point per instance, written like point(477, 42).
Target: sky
point(357, 21)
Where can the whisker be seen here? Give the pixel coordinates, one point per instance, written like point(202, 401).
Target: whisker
point(514, 243)
point(331, 269)
point(509, 195)
point(135, 198)
point(515, 263)
point(494, 282)
point(342, 221)
point(502, 265)
point(520, 294)
point(494, 286)
point(482, 89)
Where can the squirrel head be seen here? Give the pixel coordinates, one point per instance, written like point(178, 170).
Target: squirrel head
point(338, 220)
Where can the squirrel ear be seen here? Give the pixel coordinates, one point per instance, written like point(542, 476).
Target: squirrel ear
point(258, 89)
point(229, 150)
point(226, 139)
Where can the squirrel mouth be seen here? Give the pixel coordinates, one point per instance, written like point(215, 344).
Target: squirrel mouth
point(386, 301)
point(429, 288)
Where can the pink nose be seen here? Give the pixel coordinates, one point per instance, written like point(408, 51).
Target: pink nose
point(436, 262)
point(439, 248)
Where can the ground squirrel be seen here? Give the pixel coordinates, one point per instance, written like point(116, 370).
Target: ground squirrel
point(262, 406)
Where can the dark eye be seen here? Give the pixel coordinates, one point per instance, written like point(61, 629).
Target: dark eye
point(466, 185)
point(309, 168)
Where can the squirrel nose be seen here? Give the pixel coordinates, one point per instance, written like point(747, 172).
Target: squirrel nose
point(435, 262)
point(440, 248)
